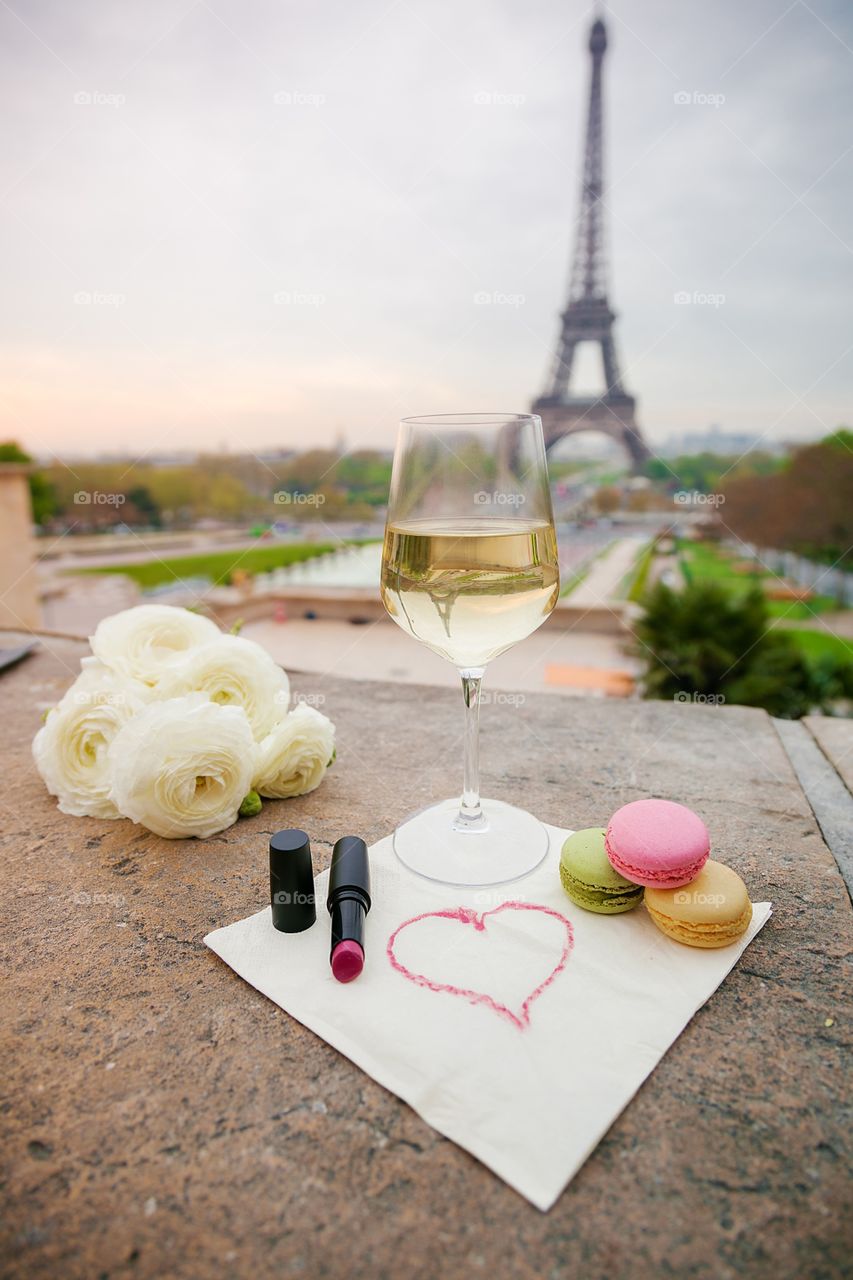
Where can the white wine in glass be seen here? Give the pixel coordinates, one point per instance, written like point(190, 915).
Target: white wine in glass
point(469, 568)
point(470, 589)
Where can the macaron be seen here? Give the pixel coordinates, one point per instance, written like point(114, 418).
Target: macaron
point(657, 842)
point(589, 879)
point(712, 911)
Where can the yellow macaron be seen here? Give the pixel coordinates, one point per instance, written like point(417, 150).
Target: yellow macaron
point(711, 911)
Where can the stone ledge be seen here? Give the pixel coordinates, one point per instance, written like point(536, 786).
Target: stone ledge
point(162, 1118)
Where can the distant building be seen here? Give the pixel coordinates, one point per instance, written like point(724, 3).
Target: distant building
point(716, 440)
point(587, 446)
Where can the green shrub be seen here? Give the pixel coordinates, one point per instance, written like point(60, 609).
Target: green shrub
point(704, 641)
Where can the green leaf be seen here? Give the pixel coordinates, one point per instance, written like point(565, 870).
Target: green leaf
point(251, 806)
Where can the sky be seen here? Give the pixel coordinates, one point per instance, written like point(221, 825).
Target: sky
point(250, 225)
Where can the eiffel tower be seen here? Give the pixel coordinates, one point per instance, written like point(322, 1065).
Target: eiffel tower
point(587, 317)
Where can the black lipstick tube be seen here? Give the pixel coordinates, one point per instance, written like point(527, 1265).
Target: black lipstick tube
point(348, 902)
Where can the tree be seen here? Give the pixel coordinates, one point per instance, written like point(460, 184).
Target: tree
point(807, 507)
point(143, 507)
point(366, 476)
point(703, 472)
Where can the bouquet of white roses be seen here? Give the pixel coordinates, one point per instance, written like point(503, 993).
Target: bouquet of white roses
point(178, 727)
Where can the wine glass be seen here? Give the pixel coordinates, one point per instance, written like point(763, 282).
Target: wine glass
point(469, 568)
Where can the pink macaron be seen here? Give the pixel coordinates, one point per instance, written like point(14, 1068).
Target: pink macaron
point(658, 843)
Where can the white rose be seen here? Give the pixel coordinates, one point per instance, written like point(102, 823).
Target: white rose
point(143, 642)
point(182, 767)
point(294, 756)
point(99, 683)
point(71, 748)
point(233, 672)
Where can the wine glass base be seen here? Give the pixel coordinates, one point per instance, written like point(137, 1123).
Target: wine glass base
point(512, 845)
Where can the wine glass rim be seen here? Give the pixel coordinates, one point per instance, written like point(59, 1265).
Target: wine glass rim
point(467, 419)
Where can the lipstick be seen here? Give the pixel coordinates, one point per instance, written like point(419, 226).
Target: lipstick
point(348, 902)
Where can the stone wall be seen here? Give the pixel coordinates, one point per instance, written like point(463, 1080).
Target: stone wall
point(19, 601)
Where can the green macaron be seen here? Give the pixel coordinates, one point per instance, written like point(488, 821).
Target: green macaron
point(590, 880)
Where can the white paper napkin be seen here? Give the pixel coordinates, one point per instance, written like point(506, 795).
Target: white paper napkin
point(528, 1083)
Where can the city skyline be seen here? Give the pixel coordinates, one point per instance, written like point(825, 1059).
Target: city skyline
point(712, 439)
point(224, 227)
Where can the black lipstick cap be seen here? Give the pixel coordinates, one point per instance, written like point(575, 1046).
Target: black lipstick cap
point(291, 881)
point(350, 870)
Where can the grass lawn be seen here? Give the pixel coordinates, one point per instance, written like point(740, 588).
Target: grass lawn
point(821, 644)
point(705, 562)
point(798, 610)
point(635, 588)
point(217, 566)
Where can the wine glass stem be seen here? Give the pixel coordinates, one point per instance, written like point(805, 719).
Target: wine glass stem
point(471, 817)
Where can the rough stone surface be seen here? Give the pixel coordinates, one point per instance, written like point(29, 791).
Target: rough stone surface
point(831, 802)
point(834, 736)
point(162, 1118)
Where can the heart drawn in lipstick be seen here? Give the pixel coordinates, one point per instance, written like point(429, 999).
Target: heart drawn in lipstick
point(478, 920)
